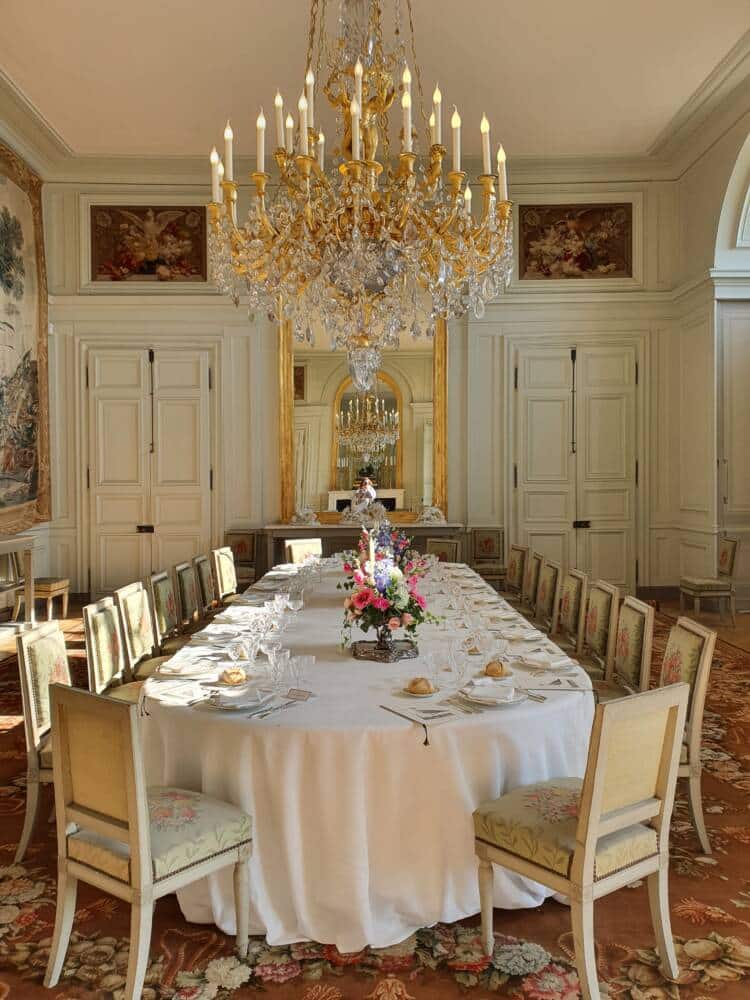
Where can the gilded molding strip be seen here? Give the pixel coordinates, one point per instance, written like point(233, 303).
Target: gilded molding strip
point(440, 417)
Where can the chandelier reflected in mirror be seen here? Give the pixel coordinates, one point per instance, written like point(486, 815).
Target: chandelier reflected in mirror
point(366, 427)
point(376, 244)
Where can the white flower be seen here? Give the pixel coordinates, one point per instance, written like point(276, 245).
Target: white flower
point(228, 973)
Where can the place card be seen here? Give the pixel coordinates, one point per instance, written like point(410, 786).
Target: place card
point(299, 694)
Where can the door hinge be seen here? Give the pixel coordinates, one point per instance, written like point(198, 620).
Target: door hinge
point(88, 478)
point(581, 524)
point(151, 355)
point(144, 529)
point(515, 377)
point(515, 477)
point(636, 373)
point(573, 355)
point(210, 379)
point(636, 472)
point(211, 479)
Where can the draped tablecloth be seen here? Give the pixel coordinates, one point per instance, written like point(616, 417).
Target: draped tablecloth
point(361, 834)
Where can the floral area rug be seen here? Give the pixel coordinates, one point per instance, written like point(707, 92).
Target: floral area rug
point(710, 902)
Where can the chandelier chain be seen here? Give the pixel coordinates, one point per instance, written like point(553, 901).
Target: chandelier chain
point(423, 113)
point(311, 34)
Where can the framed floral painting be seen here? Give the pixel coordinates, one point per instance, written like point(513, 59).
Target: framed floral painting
point(24, 409)
point(576, 241)
point(147, 243)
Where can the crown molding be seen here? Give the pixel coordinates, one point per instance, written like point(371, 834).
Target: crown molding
point(27, 131)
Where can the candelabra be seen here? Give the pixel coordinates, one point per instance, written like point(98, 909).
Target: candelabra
point(366, 427)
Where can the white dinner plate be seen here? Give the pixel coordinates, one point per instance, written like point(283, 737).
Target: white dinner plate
point(413, 694)
point(518, 697)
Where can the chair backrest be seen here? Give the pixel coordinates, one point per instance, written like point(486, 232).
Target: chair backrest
point(486, 545)
point(572, 613)
point(514, 573)
point(242, 544)
point(42, 660)
point(446, 549)
point(224, 572)
point(687, 659)
point(728, 549)
point(531, 577)
point(601, 621)
point(136, 617)
point(631, 771)
point(548, 592)
point(99, 777)
point(187, 592)
point(105, 656)
point(631, 663)
point(297, 550)
point(206, 583)
point(164, 603)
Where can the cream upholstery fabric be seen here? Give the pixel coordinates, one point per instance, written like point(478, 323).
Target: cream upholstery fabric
point(705, 583)
point(226, 572)
point(629, 646)
point(538, 822)
point(231, 598)
point(189, 599)
point(185, 829)
point(171, 646)
point(45, 752)
point(681, 657)
point(146, 667)
point(727, 556)
point(126, 692)
point(108, 658)
point(206, 582)
point(570, 603)
point(546, 594)
point(48, 664)
point(165, 606)
point(597, 620)
point(138, 624)
point(531, 577)
point(516, 562)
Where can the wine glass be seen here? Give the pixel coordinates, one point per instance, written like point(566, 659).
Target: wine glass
point(295, 601)
point(279, 660)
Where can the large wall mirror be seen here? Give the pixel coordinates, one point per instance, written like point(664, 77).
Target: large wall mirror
point(324, 420)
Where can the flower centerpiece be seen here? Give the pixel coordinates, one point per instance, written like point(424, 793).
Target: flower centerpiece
point(382, 578)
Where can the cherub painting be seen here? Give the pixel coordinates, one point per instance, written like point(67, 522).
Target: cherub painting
point(575, 241)
point(138, 243)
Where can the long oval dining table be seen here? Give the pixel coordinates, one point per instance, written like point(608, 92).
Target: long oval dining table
point(362, 834)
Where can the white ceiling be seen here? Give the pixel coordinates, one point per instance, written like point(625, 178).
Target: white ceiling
point(586, 77)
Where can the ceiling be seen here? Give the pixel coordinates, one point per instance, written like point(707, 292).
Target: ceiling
point(580, 78)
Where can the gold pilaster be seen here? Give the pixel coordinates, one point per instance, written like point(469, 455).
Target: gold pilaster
point(440, 416)
point(286, 419)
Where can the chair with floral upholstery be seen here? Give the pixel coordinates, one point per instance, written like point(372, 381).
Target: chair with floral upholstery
point(630, 670)
point(514, 573)
point(587, 838)
point(720, 588)
point(571, 616)
point(487, 554)
point(134, 842)
point(688, 658)
point(137, 623)
point(225, 574)
point(168, 627)
point(548, 595)
point(206, 585)
point(531, 581)
point(42, 660)
point(599, 629)
point(188, 594)
point(105, 656)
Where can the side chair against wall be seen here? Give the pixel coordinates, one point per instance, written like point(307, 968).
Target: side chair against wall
point(105, 656)
point(446, 549)
point(487, 554)
point(168, 629)
point(225, 574)
point(188, 595)
point(531, 581)
point(206, 584)
point(587, 838)
point(630, 670)
point(720, 588)
point(139, 640)
point(571, 615)
point(688, 658)
point(548, 595)
point(42, 660)
point(297, 550)
point(514, 572)
point(134, 842)
point(599, 629)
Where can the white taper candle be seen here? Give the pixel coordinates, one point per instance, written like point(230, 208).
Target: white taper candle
point(358, 74)
point(261, 142)
point(321, 150)
point(406, 108)
point(289, 135)
point(467, 200)
point(484, 128)
point(433, 140)
point(228, 158)
point(278, 103)
point(215, 189)
point(456, 126)
point(502, 175)
point(310, 91)
point(354, 109)
point(437, 110)
point(302, 106)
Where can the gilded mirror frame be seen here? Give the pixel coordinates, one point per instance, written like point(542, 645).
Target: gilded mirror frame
point(439, 419)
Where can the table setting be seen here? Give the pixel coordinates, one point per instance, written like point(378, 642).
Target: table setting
point(361, 774)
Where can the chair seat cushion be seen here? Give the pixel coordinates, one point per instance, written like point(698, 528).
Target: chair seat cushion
point(707, 583)
point(175, 644)
point(609, 691)
point(126, 692)
point(45, 752)
point(538, 823)
point(186, 828)
point(231, 598)
point(50, 582)
point(146, 668)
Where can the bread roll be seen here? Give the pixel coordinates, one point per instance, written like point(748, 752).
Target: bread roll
point(233, 675)
point(419, 685)
point(496, 669)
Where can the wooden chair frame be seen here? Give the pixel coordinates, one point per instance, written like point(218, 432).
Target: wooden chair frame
point(528, 593)
point(121, 595)
point(208, 601)
point(187, 617)
point(433, 546)
point(644, 676)
point(131, 828)
point(725, 596)
point(35, 733)
point(548, 624)
point(574, 639)
point(123, 676)
point(692, 768)
point(153, 580)
point(581, 887)
point(216, 555)
point(614, 592)
point(522, 553)
point(296, 550)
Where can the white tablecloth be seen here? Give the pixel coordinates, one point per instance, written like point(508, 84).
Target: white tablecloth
point(361, 834)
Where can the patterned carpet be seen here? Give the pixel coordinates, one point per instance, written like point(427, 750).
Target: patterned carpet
point(710, 899)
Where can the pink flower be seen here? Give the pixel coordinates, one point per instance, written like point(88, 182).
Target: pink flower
point(362, 598)
point(359, 576)
point(407, 619)
point(347, 567)
point(381, 603)
point(394, 623)
point(420, 600)
point(278, 972)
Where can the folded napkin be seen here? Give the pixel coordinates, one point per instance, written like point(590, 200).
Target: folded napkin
point(242, 698)
point(492, 694)
point(546, 661)
point(185, 668)
point(485, 682)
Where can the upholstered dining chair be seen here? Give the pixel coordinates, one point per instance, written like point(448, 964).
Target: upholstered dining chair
point(206, 584)
point(548, 595)
point(587, 838)
point(630, 669)
point(134, 842)
point(139, 644)
point(168, 628)
point(571, 615)
point(225, 574)
point(105, 657)
point(297, 550)
point(720, 588)
point(188, 594)
point(599, 629)
point(531, 581)
point(487, 554)
point(42, 660)
point(514, 572)
point(688, 658)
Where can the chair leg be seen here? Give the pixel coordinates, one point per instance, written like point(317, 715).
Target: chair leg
point(49, 609)
point(141, 917)
point(658, 901)
point(682, 601)
point(733, 610)
point(242, 905)
point(17, 606)
point(696, 811)
point(582, 918)
point(65, 599)
point(32, 806)
point(486, 887)
point(67, 886)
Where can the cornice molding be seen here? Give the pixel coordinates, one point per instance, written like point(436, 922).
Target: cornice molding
point(28, 132)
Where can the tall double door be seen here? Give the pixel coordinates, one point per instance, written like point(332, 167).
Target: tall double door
point(575, 457)
point(149, 476)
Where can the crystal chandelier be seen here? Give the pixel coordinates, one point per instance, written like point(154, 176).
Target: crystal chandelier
point(376, 244)
point(366, 427)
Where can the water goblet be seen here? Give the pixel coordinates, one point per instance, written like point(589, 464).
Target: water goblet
point(279, 660)
point(295, 601)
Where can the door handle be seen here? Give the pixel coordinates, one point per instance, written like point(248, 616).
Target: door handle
point(581, 524)
point(144, 529)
